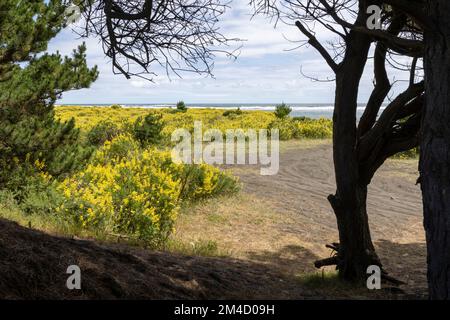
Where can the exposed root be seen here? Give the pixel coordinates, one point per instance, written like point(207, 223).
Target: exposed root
point(334, 261)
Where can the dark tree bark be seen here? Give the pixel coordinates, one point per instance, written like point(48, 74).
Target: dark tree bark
point(435, 154)
point(359, 149)
point(356, 251)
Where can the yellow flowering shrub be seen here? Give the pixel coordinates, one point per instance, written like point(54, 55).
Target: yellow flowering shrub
point(303, 129)
point(131, 193)
point(314, 129)
point(203, 181)
point(88, 117)
point(137, 192)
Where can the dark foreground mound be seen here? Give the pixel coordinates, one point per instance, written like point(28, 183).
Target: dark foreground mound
point(33, 265)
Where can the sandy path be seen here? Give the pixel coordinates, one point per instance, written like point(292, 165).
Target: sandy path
point(306, 178)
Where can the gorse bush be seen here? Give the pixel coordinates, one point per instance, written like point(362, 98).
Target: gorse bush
point(136, 192)
point(290, 128)
point(103, 131)
point(305, 129)
point(148, 130)
point(88, 117)
point(232, 113)
point(203, 181)
point(282, 111)
point(314, 129)
point(133, 194)
point(301, 118)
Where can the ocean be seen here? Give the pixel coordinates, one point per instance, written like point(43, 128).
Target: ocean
point(310, 110)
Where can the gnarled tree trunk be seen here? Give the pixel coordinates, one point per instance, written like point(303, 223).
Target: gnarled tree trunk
point(435, 150)
point(356, 251)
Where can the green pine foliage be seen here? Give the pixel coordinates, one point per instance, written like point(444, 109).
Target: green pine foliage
point(30, 83)
point(282, 111)
point(181, 106)
point(148, 130)
point(103, 131)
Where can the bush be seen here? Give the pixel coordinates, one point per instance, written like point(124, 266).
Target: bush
point(134, 195)
point(203, 181)
point(308, 129)
point(130, 191)
point(231, 113)
point(287, 128)
point(103, 131)
point(314, 129)
point(32, 138)
point(148, 130)
point(181, 106)
point(301, 118)
point(282, 111)
point(116, 106)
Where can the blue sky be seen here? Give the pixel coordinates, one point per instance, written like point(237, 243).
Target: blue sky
point(266, 71)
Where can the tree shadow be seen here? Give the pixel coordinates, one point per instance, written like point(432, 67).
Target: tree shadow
point(291, 259)
point(406, 262)
point(33, 265)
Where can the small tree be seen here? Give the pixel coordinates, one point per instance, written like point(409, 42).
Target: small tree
point(282, 110)
point(148, 130)
point(103, 131)
point(181, 106)
point(31, 82)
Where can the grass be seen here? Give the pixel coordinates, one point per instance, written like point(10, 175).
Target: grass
point(200, 247)
point(328, 280)
point(52, 224)
point(243, 226)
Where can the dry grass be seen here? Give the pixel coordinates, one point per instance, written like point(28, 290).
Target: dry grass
point(246, 227)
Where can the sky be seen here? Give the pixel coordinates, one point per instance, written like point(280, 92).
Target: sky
point(268, 70)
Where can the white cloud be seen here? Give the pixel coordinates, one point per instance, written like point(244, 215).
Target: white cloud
point(263, 72)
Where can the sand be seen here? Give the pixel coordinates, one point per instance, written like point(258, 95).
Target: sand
point(306, 178)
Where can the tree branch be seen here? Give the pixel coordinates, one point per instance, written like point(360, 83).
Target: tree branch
point(312, 40)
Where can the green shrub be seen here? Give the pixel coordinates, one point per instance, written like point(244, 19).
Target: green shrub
point(32, 138)
point(116, 106)
point(181, 106)
point(282, 111)
point(103, 131)
point(148, 130)
point(201, 181)
point(301, 118)
point(232, 113)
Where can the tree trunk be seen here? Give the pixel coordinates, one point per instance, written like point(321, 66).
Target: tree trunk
point(435, 149)
point(356, 251)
